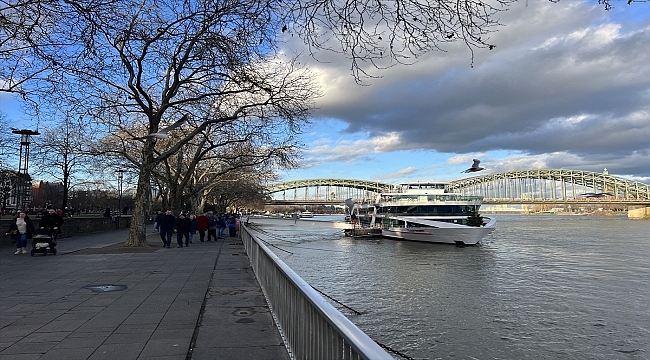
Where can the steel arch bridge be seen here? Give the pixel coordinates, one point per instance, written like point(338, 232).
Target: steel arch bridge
point(329, 189)
point(516, 187)
point(553, 185)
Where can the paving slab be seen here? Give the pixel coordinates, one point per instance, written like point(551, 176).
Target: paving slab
point(197, 302)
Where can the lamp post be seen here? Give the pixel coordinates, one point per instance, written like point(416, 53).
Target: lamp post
point(120, 177)
point(23, 188)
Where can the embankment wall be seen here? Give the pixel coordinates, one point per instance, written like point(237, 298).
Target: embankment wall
point(71, 226)
point(641, 213)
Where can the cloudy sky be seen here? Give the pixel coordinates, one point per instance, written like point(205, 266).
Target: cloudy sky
point(568, 87)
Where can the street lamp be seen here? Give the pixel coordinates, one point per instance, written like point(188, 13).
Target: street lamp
point(23, 191)
point(120, 177)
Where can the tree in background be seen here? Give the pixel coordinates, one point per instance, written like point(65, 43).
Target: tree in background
point(249, 149)
point(142, 66)
point(236, 193)
point(61, 153)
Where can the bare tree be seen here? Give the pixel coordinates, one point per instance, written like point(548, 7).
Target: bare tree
point(7, 146)
point(143, 72)
point(62, 152)
point(237, 190)
point(246, 147)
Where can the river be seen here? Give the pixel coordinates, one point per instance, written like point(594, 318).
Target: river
point(539, 287)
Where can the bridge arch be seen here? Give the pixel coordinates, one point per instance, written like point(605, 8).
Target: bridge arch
point(366, 187)
point(558, 183)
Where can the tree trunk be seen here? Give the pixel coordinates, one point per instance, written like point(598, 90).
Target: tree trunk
point(137, 232)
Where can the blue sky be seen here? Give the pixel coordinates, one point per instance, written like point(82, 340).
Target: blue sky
point(568, 86)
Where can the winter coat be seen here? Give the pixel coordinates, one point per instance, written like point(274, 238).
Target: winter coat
point(51, 221)
point(202, 223)
point(194, 224)
point(182, 224)
point(14, 227)
point(167, 222)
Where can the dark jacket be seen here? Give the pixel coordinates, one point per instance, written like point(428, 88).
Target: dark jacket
point(30, 227)
point(51, 221)
point(167, 222)
point(182, 224)
point(221, 222)
point(194, 224)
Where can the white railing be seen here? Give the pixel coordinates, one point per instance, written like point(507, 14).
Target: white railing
point(311, 327)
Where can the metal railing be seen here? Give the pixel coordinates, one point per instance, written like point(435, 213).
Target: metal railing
point(311, 327)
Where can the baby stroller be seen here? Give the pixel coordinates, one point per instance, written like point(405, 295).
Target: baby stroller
point(44, 242)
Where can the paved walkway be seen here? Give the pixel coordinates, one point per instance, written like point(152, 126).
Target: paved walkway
point(197, 302)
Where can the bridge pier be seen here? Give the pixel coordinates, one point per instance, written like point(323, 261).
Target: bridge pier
point(640, 213)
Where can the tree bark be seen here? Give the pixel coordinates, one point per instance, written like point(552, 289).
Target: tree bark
point(137, 232)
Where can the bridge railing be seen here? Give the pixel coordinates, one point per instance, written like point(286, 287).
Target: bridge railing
point(310, 326)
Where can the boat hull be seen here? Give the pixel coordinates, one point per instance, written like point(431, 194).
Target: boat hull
point(446, 234)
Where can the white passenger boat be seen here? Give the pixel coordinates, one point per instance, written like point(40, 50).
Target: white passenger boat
point(306, 214)
point(426, 212)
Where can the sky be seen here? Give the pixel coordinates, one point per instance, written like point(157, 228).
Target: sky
point(567, 87)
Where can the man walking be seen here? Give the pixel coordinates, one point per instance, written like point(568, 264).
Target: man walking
point(212, 226)
point(52, 222)
point(182, 230)
point(221, 226)
point(166, 226)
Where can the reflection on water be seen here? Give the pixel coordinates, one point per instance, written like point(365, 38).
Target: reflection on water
point(539, 287)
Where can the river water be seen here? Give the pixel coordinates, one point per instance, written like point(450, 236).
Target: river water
point(539, 287)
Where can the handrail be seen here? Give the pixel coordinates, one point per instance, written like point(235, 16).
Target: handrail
point(310, 326)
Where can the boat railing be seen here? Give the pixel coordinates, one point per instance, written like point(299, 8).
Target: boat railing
point(413, 198)
point(310, 326)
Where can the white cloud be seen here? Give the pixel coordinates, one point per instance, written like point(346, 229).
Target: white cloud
point(567, 86)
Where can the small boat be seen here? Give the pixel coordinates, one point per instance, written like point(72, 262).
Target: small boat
point(427, 212)
point(306, 214)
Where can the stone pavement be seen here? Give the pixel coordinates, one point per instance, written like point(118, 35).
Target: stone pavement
point(196, 302)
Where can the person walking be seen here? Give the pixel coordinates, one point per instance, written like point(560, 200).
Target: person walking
point(232, 223)
point(182, 228)
point(166, 226)
point(21, 229)
point(212, 226)
point(156, 222)
point(52, 222)
point(221, 226)
point(194, 224)
point(202, 225)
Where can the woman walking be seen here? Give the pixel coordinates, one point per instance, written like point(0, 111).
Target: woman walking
point(21, 228)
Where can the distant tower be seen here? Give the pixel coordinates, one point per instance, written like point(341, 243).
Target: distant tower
point(23, 182)
point(605, 172)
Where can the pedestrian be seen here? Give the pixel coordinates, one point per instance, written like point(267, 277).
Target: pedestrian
point(166, 225)
point(156, 221)
point(182, 227)
point(21, 229)
point(232, 223)
point(202, 225)
point(194, 224)
point(212, 226)
point(221, 226)
point(52, 222)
